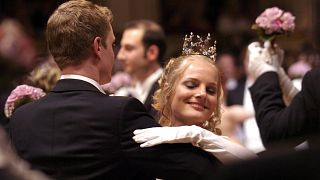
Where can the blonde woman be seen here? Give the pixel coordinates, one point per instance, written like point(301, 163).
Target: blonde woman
point(189, 99)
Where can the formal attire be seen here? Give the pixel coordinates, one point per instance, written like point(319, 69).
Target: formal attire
point(286, 166)
point(77, 132)
point(12, 166)
point(278, 122)
point(143, 91)
point(249, 134)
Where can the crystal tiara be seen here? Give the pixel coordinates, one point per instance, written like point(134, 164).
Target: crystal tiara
point(198, 46)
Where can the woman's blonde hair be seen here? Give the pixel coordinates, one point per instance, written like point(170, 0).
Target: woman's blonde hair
point(173, 72)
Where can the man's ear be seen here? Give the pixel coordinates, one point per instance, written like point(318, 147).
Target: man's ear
point(97, 45)
point(153, 53)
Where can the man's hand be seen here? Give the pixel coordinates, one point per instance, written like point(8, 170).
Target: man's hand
point(258, 58)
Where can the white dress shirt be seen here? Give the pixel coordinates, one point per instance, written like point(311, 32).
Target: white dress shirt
point(140, 90)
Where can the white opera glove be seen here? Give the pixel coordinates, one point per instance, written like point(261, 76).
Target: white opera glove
point(221, 147)
point(159, 135)
point(275, 55)
point(258, 58)
point(276, 60)
point(288, 89)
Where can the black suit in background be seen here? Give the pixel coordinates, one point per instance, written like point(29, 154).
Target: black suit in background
point(76, 132)
point(149, 101)
point(284, 166)
point(277, 122)
point(235, 96)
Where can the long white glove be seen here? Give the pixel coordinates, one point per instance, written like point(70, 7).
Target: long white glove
point(288, 89)
point(258, 58)
point(276, 60)
point(221, 147)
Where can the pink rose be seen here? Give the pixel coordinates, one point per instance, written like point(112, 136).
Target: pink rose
point(274, 21)
point(119, 80)
point(273, 13)
point(288, 21)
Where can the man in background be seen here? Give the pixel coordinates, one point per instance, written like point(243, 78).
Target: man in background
point(141, 54)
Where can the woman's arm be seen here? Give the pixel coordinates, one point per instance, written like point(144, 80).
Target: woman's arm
point(221, 147)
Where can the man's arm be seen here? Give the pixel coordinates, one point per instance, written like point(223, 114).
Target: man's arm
point(276, 121)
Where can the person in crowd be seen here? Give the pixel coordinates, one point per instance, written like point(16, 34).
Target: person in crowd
point(17, 45)
point(190, 96)
point(277, 122)
point(281, 124)
point(11, 165)
point(45, 75)
point(234, 114)
point(227, 64)
point(76, 131)
point(299, 68)
point(141, 54)
point(40, 81)
point(306, 60)
point(248, 131)
point(231, 120)
point(17, 58)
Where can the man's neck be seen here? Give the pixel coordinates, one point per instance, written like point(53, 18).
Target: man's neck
point(141, 77)
point(84, 69)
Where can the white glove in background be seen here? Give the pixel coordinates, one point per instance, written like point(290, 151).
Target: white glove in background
point(275, 54)
point(273, 58)
point(221, 147)
point(276, 60)
point(288, 89)
point(258, 58)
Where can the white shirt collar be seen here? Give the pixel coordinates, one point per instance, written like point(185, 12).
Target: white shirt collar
point(141, 89)
point(83, 78)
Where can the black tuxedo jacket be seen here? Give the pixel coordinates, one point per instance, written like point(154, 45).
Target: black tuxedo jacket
point(236, 95)
point(278, 122)
point(76, 132)
point(149, 101)
point(281, 166)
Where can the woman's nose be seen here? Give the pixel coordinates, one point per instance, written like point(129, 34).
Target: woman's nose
point(201, 92)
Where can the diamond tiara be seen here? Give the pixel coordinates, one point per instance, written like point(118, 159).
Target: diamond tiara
point(199, 46)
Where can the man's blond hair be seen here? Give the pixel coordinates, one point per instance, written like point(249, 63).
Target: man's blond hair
point(72, 28)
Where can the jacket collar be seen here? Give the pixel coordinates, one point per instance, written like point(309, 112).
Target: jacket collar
point(73, 85)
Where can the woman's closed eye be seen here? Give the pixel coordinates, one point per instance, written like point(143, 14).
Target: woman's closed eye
point(191, 85)
point(211, 90)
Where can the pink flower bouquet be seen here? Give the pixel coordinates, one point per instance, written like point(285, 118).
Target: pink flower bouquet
point(21, 95)
point(272, 22)
point(118, 80)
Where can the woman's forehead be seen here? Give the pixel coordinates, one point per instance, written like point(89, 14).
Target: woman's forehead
point(201, 70)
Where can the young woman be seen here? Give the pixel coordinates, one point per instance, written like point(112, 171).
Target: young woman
point(189, 99)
